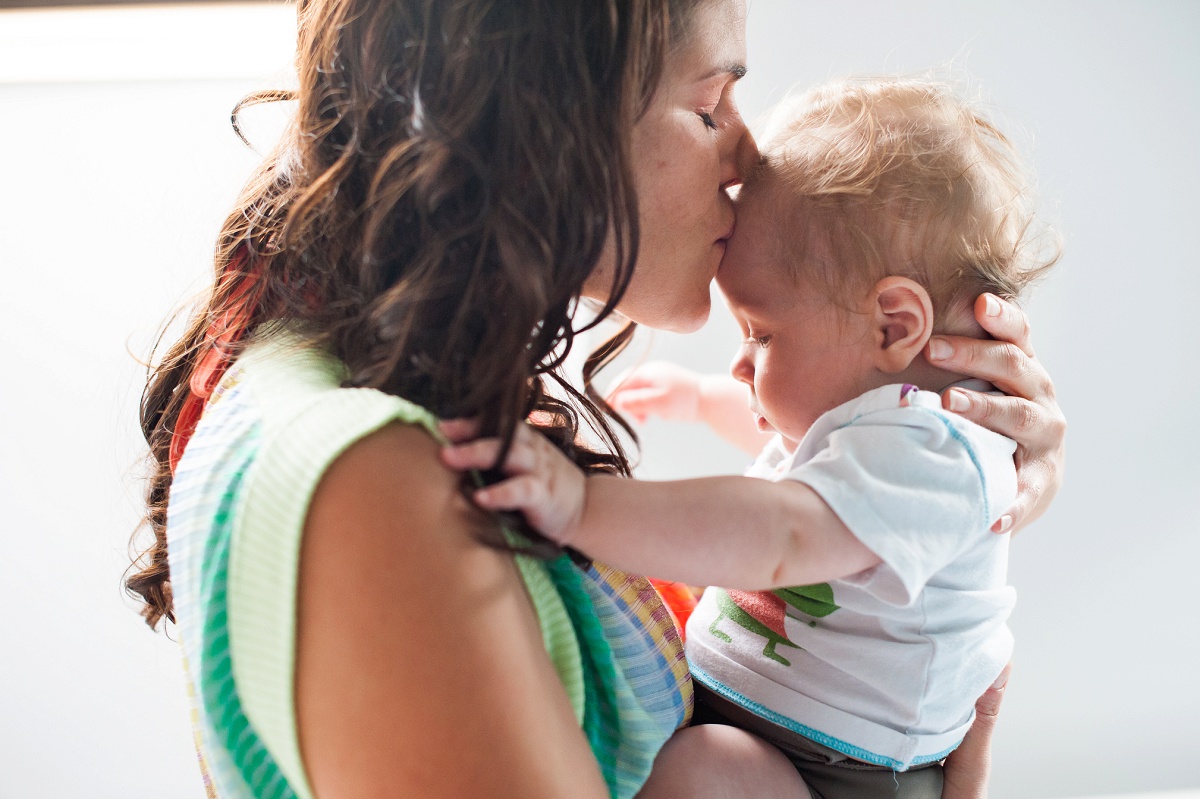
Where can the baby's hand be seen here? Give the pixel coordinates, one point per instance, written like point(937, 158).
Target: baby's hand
point(542, 482)
point(658, 388)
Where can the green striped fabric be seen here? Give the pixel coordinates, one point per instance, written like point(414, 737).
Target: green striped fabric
point(238, 502)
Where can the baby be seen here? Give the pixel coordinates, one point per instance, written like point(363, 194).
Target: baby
point(881, 210)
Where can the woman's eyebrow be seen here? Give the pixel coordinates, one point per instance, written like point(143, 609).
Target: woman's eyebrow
point(737, 70)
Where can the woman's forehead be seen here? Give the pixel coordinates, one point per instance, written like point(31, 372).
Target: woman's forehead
point(715, 42)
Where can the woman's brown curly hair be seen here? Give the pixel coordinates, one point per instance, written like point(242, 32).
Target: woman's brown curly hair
point(451, 176)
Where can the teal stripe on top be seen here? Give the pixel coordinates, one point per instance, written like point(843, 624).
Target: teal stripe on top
point(230, 727)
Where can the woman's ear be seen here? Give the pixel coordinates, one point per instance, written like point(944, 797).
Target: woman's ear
point(902, 322)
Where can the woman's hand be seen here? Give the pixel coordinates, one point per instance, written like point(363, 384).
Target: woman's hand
point(969, 766)
point(1029, 414)
point(542, 482)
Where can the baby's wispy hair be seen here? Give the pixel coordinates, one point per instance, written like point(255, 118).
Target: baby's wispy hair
point(902, 176)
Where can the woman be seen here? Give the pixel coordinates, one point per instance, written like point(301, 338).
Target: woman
point(457, 176)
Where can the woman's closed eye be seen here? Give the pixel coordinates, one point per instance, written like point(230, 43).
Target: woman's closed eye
point(707, 119)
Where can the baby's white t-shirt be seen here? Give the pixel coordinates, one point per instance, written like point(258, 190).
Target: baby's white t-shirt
point(885, 665)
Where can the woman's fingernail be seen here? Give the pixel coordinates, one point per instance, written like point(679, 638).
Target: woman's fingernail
point(959, 402)
point(1002, 680)
point(482, 496)
point(992, 305)
point(940, 349)
point(1003, 524)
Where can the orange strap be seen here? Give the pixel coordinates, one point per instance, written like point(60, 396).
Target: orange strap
point(229, 328)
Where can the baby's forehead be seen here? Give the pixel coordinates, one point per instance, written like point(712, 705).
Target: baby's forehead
point(783, 231)
point(760, 284)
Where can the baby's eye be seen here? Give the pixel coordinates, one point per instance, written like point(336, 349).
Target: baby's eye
point(761, 341)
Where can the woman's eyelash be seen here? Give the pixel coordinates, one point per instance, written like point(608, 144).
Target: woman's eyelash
point(708, 120)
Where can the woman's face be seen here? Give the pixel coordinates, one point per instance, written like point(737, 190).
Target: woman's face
point(688, 149)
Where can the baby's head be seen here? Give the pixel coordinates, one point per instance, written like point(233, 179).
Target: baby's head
point(882, 208)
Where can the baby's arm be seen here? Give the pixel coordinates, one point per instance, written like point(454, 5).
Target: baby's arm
point(660, 388)
point(738, 532)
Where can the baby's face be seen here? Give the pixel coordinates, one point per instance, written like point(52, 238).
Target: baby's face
point(800, 355)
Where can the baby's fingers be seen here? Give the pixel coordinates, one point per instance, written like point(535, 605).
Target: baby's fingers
point(459, 430)
point(624, 380)
point(555, 513)
point(517, 493)
point(483, 453)
point(638, 402)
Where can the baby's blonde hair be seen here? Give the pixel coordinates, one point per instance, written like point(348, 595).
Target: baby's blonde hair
point(898, 176)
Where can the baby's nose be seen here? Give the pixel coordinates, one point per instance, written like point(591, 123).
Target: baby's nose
point(742, 367)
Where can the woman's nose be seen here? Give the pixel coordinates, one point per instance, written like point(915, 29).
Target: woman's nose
point(741, 157)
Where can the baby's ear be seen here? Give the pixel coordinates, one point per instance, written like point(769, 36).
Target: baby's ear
point(902, 322)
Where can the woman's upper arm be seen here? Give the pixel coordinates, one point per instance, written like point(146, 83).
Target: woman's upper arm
point(420, 668)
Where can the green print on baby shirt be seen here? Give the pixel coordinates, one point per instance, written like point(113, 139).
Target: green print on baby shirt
point(762, 613)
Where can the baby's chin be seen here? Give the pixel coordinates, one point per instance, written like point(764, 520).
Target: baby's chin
point(765, 426)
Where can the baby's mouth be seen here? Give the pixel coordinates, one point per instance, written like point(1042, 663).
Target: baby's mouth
point(760, 421)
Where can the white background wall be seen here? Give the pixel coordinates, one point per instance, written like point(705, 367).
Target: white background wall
point(118, 165)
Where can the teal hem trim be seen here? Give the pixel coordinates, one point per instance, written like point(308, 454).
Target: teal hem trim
point(824, 739)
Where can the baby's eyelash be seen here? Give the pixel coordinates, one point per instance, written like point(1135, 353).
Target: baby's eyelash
point(761, 341)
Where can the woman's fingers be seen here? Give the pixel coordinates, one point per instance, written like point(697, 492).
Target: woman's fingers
point(1007, 362)
point(1029, 415)
point(1019, 419)
point(1038, 429)
point(1004, 321)
point(969, 766)
point(1036, 480)
point(1003, 364)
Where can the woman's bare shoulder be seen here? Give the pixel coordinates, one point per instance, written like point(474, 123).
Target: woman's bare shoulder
point(420, 666)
